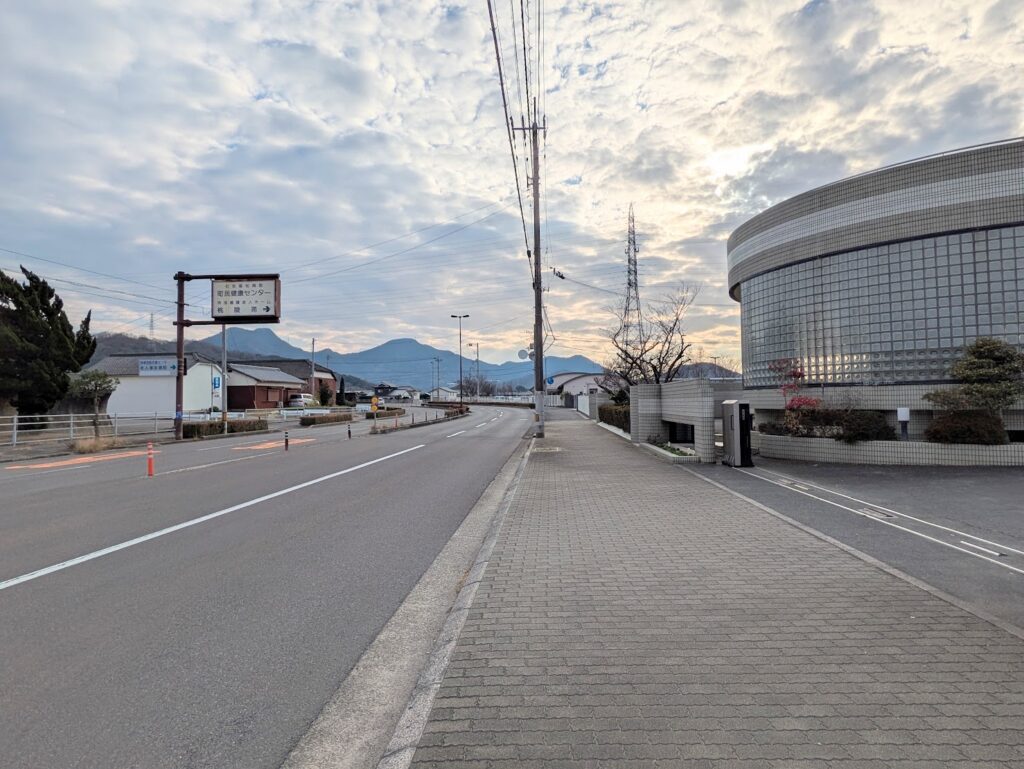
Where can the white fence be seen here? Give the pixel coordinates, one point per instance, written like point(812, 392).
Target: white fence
point(20, 430)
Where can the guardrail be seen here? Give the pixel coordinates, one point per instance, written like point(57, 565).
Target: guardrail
point(21, 429)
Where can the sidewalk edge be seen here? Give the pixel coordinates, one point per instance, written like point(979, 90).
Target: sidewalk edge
point(402, 747)
point(977, 611)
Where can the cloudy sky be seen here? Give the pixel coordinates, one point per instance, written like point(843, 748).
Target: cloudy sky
point(359, 148)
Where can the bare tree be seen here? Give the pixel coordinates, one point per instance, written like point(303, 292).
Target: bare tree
point(651, 348)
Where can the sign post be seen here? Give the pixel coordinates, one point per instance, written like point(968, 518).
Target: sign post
point(253, 298)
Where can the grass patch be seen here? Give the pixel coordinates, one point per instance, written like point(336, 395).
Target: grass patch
point(92, 445)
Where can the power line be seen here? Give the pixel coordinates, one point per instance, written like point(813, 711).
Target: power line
point(80, 269)
point(378, 259)
point(390, 240)
point(508, 122)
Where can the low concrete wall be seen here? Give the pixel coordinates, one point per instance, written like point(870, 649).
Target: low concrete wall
point(889, 452)
point(692, 402)
point(645, 414)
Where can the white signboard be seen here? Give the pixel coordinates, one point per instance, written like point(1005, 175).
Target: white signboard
point(158, 366)
point(246, 299)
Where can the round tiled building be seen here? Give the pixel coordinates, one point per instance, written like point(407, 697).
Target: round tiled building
point(884, 278)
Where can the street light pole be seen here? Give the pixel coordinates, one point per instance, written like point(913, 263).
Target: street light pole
point(461, 381)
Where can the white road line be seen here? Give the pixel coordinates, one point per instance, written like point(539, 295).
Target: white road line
point(460, 432)
point(201, 519)
point(886, 509)
point(983, 549)
point(886, 523)
point(21, 476)
point(214, 464)
point(482, 424)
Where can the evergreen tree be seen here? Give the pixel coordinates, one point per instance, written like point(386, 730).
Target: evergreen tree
point(38, 345)
point(991, 373)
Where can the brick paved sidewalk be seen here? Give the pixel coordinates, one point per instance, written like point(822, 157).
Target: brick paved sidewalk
point(633, 615)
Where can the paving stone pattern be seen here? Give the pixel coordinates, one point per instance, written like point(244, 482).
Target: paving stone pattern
point(633, 615)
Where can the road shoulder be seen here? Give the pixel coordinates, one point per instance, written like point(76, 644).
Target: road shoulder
point(355, 726)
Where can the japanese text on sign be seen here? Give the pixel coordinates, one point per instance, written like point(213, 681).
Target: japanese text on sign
point(245, 299)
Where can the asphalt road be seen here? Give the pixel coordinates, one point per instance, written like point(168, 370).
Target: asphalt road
point(217, 643)
point(960, 529)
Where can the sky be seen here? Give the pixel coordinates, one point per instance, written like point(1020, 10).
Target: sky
point(359, 149)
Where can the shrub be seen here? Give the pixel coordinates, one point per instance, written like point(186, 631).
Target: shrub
point(849, 426)
point(92, 445)
point(978, 427)
point(323, 419)
point(864, 426)
point(202, 429)
point(614, 415)
point(385, 413)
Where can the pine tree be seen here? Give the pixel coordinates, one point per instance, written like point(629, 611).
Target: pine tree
point(38, 345)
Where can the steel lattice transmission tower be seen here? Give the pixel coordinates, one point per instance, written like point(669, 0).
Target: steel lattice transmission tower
point(632, 316)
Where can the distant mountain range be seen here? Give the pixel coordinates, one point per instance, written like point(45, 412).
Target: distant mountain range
point(399, 361)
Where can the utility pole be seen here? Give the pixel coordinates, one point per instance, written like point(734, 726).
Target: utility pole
point(462, 382)
point(179, 380)
point(538, 286)
point(478, 371)
point(224, 378)
point(312, 369)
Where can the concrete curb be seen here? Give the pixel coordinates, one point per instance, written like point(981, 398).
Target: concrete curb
point(978, 612)
point(402, 747)
point(668, 456)
point(615, 431)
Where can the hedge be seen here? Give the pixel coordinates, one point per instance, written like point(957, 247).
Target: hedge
point(384, 413)
point(848, 426)
point(202, 429)
point(616, 416)
point(323, 419)
point(977, 427)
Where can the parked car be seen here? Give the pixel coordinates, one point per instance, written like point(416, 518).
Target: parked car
point(301, 400)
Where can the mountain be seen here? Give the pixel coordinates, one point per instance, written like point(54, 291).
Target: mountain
point(119, 344)
point(400, 361)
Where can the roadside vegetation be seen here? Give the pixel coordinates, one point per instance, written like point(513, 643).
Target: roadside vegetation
point(991, 377)
point(203, 429)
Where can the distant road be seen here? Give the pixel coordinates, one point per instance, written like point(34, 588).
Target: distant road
point(202, 617)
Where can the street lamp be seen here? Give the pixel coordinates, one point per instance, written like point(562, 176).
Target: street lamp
point(461, 381)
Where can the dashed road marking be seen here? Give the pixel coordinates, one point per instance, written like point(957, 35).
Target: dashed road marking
point(80, 460)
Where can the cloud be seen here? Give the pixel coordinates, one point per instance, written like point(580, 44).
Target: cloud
point(142, 138)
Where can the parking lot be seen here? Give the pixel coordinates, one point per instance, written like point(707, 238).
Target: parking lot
point(960, 530)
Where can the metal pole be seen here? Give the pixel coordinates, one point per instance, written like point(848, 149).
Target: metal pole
point(14, 434)
point(478, 371)
point(312, 370)
point(224, 378)
point(538, 288)
point(461, 382)
point(179, 383)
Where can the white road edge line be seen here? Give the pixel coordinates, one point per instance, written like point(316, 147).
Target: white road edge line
point(879, 520)
point(214, 464)
point(460, 432)
point(979, 547)
point(827, 490)
point(482, 424)
point(201, 519)
point(18, 477)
